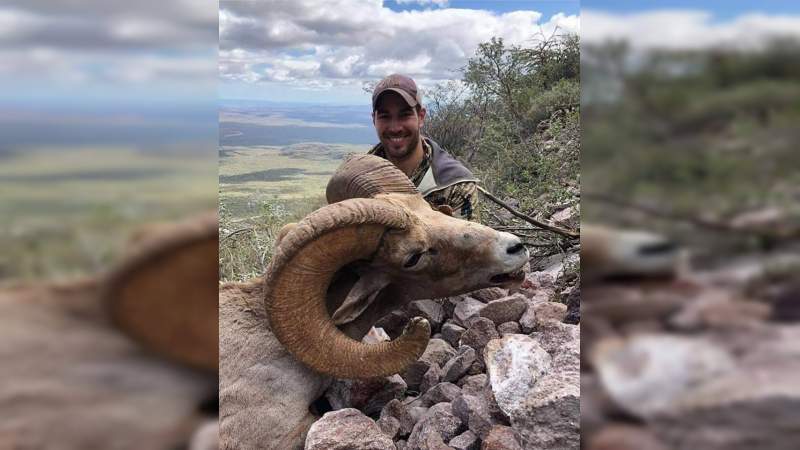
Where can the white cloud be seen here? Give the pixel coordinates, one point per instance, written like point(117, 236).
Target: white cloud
point(116, 43)
point(354, 40)
point(686, 29)
point(439, 3)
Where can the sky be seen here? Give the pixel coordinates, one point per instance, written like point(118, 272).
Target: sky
point(323, 51)
point(678, 24)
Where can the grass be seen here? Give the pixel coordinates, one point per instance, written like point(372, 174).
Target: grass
point(69, 212)
point(261, 189)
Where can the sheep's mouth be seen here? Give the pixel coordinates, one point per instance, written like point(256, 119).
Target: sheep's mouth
point(516, 276)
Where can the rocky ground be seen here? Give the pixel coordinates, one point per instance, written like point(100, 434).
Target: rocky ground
point(709, 360)
point(501, 372)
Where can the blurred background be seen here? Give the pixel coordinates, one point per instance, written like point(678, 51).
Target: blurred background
point(107, 121)
point(108, 124)
point(690, 201)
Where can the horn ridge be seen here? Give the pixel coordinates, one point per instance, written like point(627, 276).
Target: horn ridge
point(365, 176)
point(300, 273)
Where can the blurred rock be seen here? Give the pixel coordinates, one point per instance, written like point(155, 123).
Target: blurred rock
point(625, 437)
point(479, 334)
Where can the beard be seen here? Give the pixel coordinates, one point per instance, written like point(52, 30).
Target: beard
point(399, 151)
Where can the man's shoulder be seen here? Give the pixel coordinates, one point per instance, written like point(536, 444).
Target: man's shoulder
point(448, 168)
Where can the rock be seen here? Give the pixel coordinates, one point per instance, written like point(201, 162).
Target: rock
point(501, 438)
point(474, 412)
point(452, 333)
point(477, 366)
point(431, 378)
point(479, 334)
point(549, 311)
point(397, 410)
point(414, 373)
point(347, 429)
point(527, 322)
point(466, 310)
point(428, 309)
point(458, 366)
point(648, 374)
point(389, 426)
point(393, 323)
point(488, 294)
point(474, 383)
point(439, 422)
point(573, 301)
point(509, 328)
point(539, 391)
point(717, 309)
point(464, 441)
point(417, 413)
point(401, 445)
point(441, 393)
point(625, 437)
point(508, 309)
point(449, 304)
point(375, 335)
point(567, 217)
point(438, 352)
point(368, 396)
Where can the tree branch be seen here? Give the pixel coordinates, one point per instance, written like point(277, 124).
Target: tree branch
point(529, 219)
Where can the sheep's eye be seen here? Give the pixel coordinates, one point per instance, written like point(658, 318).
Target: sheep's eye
point(412, 260)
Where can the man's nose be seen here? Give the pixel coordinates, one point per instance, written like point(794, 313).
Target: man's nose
point(395, 125)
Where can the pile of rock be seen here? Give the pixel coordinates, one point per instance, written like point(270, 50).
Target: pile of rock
point(501, 372)
point(688, 364)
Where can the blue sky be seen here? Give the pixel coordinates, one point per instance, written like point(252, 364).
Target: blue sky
point(721, 9)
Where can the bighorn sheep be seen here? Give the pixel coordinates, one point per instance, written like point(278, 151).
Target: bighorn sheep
point(608, 252)
point(375, 247)
point(71, 378)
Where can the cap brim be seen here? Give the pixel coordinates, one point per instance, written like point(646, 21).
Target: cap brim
point(412, 102)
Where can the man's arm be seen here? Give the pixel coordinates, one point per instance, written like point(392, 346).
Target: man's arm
point(462, 197)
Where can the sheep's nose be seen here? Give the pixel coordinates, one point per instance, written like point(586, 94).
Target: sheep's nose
point(516, 248)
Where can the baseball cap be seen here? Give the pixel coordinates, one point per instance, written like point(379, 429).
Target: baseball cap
point(401, 84)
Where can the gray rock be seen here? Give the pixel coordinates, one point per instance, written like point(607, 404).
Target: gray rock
point(527, 322)
point(458, 366)
point(368, 396)
point(401, 445)
point(501, 438)
point(479, 334)
point(474, 412)
point(550, 311)
point(393, 323)
point(466, 310)
point(473, 384)
point(347, 429)
point(417, 413)
point(464, 441)
point(439, 422)
point(625, 437)
point(488, 294)
point(509, 328)
point(452, 333)
point(508, 309)
point(539, 391)
point(428, 309)
point(431, 378)
point(441, 393)
point(389, 426)
point(438, 352)
point(397, 410)
point(414, 373)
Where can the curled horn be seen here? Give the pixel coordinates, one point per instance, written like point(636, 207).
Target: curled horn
point(298, 277)
point(365, 176)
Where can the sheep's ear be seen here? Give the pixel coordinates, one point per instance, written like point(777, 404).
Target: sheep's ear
point(445, 209)
point(360, 297)
point(284, 231)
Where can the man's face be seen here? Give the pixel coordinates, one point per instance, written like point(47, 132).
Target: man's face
point(397, 125)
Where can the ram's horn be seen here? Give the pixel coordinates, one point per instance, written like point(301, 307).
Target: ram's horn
point(298, 277)
point(365, 176)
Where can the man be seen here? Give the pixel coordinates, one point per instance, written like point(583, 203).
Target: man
point(398, 115)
